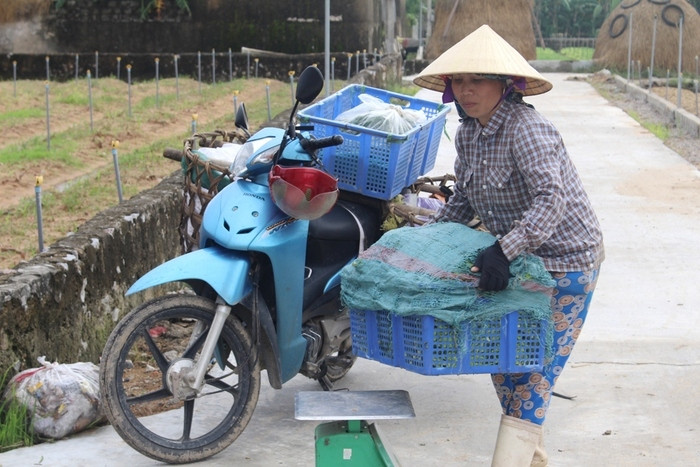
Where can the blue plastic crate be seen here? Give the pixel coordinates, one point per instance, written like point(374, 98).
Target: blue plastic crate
point(429, 346)
point(371, 162)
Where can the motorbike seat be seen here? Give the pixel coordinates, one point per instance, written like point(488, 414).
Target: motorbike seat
point(341, 223)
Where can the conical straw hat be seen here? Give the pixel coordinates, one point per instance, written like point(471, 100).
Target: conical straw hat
point(482, 51)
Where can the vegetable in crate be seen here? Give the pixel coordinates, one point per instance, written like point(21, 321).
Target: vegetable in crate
point(376, 114)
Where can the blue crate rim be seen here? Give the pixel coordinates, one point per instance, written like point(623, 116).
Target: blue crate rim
point(362, 89)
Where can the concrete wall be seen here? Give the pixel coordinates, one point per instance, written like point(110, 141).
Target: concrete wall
point(64, 302)
point(677, 116)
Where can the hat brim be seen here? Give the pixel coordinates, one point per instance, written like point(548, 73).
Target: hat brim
point(482, 51)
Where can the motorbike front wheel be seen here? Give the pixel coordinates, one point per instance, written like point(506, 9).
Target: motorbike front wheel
point(143, 352)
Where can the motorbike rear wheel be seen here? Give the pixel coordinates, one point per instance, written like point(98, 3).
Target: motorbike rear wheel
point(143, 350)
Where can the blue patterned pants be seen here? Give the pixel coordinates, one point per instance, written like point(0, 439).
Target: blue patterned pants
point(527, 395)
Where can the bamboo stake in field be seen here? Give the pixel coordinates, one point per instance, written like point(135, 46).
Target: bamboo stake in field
point(332, 74)
point(39, 219)
point(14, 77)
point(213, 66)
point(48, 119)
point(117, 175)
point(48, 72)
point(230, 65)
point(77, 68)
point(194, 123)
point(128, 85)
point(119, 67)
point(349, 65)
point(291, 83)
point(199, 71)
point(267, 95)
point(89, 80)
point(157, 60)
point(97, 64)
point(176, 58)
point(257, 60)
point(235, 101)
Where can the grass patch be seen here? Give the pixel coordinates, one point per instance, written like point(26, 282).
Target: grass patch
point(567, 53)
point(15, 421)
point(13, 116)
point(659, 130)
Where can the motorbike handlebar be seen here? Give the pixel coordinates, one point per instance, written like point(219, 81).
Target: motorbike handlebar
point(312, 145)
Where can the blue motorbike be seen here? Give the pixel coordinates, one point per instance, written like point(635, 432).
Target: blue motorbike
point(180, 375)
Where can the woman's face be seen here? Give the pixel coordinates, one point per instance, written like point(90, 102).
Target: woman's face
point(477, 95)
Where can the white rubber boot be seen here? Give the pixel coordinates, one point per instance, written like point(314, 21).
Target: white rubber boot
point(540, 458)
point(516, 442)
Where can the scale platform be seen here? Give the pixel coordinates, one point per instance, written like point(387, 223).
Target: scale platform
point(353, 405)
point(348, 440)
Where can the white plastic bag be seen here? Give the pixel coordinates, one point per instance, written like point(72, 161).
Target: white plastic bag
point(376, 114)
point(62, 398)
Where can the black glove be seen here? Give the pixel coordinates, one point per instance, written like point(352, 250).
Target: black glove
point(494, 267)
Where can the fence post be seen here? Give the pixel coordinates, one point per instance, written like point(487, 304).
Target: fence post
point(291, 83)
point(39, 217)
point(267, 94)
point(199, 71)
point(48, 119)
point(680, 62)
point(89, 80)
point(629, 49)
point(14, 77)
point(230, 65)
point(213, 66)
point(117, 176)
point(128, 74)
point(157, 60)
point(119, 67)
point(653, 49)
point(176, 57)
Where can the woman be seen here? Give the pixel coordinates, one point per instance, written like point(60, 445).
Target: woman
point(514, 173)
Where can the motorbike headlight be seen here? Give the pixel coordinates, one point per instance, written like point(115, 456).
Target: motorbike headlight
point(247, 159)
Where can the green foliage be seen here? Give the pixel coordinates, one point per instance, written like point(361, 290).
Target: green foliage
point(576, 18)
point(15, 421)
point(567, 53)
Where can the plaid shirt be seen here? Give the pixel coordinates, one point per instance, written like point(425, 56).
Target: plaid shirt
point(516, 175)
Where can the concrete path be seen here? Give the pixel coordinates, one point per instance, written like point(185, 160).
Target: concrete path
point(633, 377)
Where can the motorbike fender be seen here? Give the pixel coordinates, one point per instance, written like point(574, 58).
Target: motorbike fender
point(224, 270)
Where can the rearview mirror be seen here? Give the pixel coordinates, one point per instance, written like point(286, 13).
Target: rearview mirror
point(310, 85)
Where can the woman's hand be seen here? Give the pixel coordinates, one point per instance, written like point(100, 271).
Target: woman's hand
point(494, 267)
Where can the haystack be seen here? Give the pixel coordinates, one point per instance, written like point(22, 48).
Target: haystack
point(455, 19)
point(636, 17)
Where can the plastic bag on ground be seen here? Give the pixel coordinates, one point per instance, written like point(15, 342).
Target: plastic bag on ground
point(62, 398)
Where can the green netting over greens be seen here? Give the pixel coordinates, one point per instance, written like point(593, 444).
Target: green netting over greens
point(426, 270)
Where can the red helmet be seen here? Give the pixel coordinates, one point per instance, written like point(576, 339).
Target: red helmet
point(303, 192)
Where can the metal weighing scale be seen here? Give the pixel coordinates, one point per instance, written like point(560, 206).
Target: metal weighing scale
point(349, 440)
